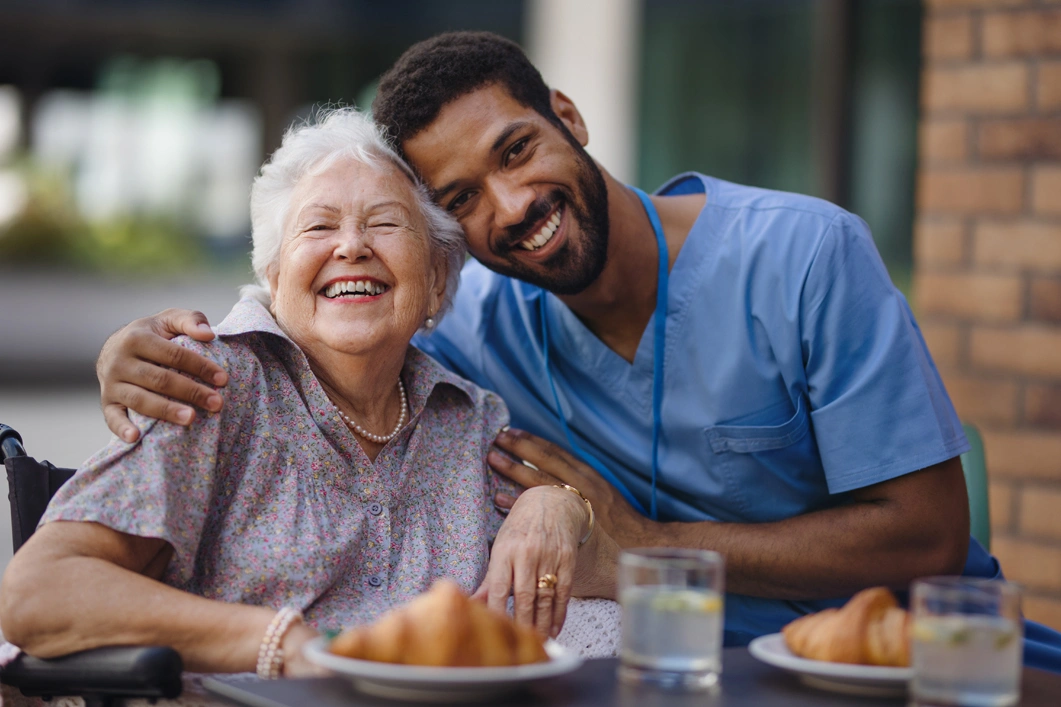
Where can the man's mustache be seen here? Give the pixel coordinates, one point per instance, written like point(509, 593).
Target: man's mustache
point(514, 235)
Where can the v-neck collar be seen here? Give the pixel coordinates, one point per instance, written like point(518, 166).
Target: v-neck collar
point(633, 379)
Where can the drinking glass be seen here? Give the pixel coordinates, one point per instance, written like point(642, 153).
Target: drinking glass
point(672, 617)
point(966, 642)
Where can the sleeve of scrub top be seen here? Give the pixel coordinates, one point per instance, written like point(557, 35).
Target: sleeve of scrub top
point(878, 406)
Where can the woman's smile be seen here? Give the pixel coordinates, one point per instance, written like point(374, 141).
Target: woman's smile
point(354, 290)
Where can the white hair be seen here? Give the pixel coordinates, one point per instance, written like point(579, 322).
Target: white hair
point(310, 148)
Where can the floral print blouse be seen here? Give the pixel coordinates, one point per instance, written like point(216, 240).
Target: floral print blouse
point(272, 502)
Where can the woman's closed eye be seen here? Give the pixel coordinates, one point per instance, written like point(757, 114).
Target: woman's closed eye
point(385, 226)
point(388, 215)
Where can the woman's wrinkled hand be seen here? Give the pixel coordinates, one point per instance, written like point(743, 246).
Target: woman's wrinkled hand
point(139, 369)
point(539, 537)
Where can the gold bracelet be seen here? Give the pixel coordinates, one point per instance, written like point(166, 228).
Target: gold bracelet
point(589, 507)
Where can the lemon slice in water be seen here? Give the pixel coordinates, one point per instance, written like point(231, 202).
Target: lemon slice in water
point(687, 601)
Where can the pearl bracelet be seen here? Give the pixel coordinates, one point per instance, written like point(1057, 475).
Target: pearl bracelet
point(270, 655)
point(589, 507)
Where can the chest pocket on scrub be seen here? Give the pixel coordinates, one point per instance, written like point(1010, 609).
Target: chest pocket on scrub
point(765, 461)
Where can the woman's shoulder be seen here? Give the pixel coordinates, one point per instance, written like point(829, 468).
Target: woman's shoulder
point(246, 341)
point(241, 356)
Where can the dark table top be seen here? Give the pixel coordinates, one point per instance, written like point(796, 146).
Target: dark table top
point(745, 681)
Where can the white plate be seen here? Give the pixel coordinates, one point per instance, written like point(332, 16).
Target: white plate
point(838, 677)
point(415, 682)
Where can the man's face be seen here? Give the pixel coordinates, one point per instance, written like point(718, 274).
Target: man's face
point(532, 203)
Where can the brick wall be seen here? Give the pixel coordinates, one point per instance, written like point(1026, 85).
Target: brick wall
point(988, 260)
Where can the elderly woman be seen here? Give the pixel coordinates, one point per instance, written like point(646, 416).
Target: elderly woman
point(345, 473)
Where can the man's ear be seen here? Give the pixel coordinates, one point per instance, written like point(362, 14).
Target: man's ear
point(565, 109)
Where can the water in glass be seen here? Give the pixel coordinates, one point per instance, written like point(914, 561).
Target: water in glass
point(672, 629)
point(966, 660)
point(672, 617)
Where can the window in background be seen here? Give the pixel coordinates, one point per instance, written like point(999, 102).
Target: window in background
point(151, 170)
point(12, 186)
point(885, 86)
point(813, 97)
point(726, 90)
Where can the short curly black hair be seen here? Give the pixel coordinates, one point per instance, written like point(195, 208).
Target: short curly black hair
point(439, 70)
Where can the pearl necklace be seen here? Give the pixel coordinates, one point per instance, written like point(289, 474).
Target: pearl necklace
point(378, 439)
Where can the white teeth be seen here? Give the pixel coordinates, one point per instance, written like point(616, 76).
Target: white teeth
point(543, 236)
point(354, 287)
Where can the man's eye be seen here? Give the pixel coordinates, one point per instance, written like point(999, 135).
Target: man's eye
point(459, 201)
point(319, 227)
point(516, 149)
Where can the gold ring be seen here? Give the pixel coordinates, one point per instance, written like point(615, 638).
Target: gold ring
point(547, 581)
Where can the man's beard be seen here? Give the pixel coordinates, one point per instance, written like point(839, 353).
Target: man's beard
point(576, 265)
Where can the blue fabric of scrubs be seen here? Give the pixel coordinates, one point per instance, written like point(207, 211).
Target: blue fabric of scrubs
point(794, 373)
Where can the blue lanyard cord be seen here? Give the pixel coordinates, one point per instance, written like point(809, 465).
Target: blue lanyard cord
point(660, 345)
point(586, 456)
point(657, 376)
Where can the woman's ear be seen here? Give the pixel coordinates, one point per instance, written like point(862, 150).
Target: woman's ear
point(438, 287)
point(565, 109)
point(272, 276)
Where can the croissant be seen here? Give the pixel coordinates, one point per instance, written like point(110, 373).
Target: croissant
point(871, 629)
point(442, 627)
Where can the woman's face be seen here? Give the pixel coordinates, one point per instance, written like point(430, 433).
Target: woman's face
point(355, 272)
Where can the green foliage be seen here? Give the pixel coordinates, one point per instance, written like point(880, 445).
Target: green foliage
point(49, 231)
point(138, 243)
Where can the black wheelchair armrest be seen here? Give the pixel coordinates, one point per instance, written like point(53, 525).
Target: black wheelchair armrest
point(102, 674)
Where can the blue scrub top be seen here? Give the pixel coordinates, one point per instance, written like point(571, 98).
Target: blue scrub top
point(794, 372)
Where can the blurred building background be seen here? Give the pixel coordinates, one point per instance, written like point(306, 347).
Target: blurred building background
point(130, 131)
point(988, 256)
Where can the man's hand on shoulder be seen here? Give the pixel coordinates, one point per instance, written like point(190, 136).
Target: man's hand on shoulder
point(140, 369)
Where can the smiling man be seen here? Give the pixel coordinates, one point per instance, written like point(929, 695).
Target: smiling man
point(714, 366)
